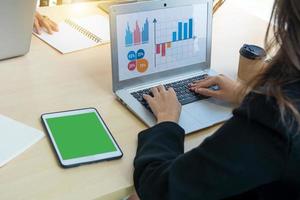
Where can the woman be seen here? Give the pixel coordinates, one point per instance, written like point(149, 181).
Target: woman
point(43, 22)
point(255, 155)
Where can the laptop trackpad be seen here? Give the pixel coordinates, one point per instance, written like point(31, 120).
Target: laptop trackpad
point(187, 122)
point(204, 113)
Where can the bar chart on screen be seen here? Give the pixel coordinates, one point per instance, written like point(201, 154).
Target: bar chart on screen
point(174, 41)
point(137, 35)
point(159, 40)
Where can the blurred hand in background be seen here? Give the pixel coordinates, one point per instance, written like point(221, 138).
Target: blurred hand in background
point(43, 22)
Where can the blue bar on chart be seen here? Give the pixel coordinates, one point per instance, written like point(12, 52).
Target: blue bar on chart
point(145, 32)
point(185, 31)
point(128, 36)
point(190, 28)
point(179, 30)
point(174, 37)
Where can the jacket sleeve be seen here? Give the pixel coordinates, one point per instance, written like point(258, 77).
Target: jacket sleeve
point(243, 154)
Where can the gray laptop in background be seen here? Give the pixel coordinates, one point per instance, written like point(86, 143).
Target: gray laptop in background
point(169, 43)
point(16, 22)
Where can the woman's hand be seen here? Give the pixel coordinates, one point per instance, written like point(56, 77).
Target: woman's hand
point(229, 90)
point(164, 104)
point(44, 22)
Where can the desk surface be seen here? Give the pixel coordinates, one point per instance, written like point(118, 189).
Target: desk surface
point(45, 81)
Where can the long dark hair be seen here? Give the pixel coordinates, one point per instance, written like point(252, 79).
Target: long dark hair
point(285, 65)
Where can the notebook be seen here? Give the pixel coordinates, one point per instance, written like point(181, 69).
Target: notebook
point(77, 34)
point(15, 138)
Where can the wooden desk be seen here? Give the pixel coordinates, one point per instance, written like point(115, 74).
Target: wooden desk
point(46, 81)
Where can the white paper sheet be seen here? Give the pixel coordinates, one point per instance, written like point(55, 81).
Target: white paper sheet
point(15, 138)
point(97, 24)
point(69, 39)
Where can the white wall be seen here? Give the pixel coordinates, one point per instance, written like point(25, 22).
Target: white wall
point(259, 8)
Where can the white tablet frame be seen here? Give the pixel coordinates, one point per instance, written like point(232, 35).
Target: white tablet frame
point(87, 159)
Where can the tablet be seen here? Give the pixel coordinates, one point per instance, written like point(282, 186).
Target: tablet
point(80, 137)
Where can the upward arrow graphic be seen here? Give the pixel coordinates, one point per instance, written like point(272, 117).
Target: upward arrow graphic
point(154, 23)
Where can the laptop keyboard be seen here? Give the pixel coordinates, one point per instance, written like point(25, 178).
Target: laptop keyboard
point(184, 95)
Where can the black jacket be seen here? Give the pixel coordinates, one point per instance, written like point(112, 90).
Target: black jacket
point(252, 156)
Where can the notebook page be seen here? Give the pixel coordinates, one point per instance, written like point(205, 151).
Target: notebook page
point(15, 138)
point(67, 39)
point(96, 24)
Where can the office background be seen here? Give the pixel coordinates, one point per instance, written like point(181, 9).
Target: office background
point(259, 8)
point(35, 174)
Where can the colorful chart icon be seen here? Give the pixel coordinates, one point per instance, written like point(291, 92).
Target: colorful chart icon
point(140, 54)
point(131, 56)
point(137, 61)
point(142, 65)
point(132, 66)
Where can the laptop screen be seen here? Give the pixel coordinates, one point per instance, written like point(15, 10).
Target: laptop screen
point(160, 40)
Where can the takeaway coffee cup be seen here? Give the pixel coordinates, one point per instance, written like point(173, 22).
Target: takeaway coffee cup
point(252, 62)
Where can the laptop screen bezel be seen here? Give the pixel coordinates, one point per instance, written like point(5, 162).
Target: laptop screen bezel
point(149, 6)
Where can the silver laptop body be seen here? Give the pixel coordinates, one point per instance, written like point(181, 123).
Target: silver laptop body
point(195, 116)
point(16, 22)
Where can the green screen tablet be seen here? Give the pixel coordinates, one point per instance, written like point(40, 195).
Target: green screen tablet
point(80, 136)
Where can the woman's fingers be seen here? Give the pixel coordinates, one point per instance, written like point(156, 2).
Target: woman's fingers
point(47, 26)
point(161, 88)
point(37, 26)
point(164, 104)
point(54, 26)
point(205, 83)
point(148, 98)
point(45, 23)
point(152, 102)
point(154, 91)
point(207, 92)
point(172, 90)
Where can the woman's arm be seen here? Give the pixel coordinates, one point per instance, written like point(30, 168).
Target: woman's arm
point(244, 154)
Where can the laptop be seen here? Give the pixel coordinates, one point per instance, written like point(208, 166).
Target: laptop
point(165, 42)
point(16, 22)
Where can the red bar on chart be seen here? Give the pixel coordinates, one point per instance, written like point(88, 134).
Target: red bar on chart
point(158, 49)
point(163, 49)
point(137, 34)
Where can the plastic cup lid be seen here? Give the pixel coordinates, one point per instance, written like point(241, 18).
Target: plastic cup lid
point(252, 52)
